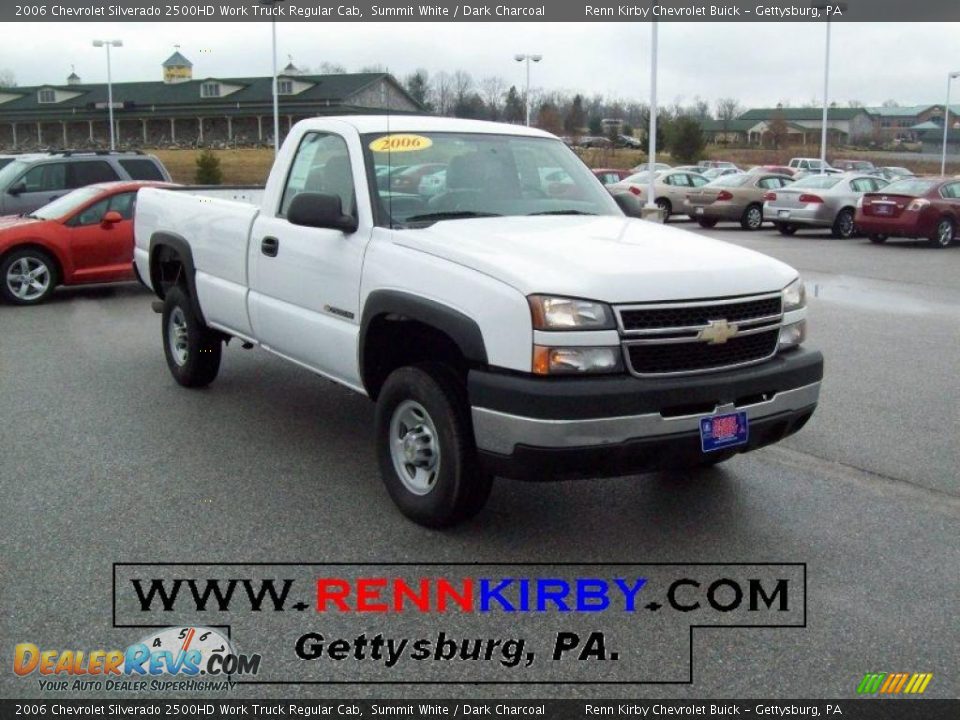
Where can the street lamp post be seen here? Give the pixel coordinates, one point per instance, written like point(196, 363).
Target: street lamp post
point(652, 131)
point(522, 57)
point(109, 44)
point(273, 62)
point(826, 104)
point(946, 123)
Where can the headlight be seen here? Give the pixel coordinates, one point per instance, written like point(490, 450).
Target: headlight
point(794, 296)
point(558, 313)
point(792, 335)
point(576, 360)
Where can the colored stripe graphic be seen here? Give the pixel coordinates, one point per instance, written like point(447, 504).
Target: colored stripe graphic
point(894, 683)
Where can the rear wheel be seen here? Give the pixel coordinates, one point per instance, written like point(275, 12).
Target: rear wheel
point(785, 228)
point(706, 222)
point(192, 349)
point(878, 238)
point(425, 446)
point(752, 217)
point(665, 208)
point(943, 235)
point(29, 277)
point(843, 226)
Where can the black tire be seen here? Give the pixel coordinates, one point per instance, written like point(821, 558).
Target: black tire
point(878, 238)
point(706, 222)
point(943, 234)
point(752, 218)
point(455, 488)
point(195, 362)
point(41, 269)
point(785, 228)
point(665, 207)
point(843, 225)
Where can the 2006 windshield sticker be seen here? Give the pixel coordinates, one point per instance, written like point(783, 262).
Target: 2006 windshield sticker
point(400, 143)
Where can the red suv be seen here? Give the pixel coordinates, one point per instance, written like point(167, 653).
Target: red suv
point(915, 207)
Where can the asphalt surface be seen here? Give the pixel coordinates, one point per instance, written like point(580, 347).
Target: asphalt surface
point(104, 459)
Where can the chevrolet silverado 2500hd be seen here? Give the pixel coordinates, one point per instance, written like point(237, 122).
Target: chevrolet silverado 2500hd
point(512, 323)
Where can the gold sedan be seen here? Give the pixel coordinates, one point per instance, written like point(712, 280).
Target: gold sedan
point(733, 198)
point(670, 189)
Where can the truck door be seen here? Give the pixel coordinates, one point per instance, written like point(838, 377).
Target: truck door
point(304, 281)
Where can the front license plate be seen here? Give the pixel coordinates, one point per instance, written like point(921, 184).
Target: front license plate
point(783, 213)
point(698, 211)
point(723, 431)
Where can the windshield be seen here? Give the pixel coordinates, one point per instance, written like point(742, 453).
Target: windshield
point(11, 172)
point(479, 175)
point(821, 182)
point(910, 186)
point(65, 205)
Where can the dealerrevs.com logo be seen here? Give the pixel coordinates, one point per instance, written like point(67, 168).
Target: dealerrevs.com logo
point(895, 683)
point(174, 658)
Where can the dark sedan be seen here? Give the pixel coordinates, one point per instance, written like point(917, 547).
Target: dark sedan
point(916, 207)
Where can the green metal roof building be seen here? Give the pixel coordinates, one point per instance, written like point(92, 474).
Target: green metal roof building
point(181, 110)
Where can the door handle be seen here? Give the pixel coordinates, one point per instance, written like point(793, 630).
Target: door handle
point(270, 246)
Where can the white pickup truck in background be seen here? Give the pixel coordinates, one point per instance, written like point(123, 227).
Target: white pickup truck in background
point(506, 324)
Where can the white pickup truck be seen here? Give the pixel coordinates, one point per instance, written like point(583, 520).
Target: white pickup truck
point(510, 322)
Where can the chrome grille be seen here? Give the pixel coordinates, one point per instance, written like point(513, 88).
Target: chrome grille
point(672, 338)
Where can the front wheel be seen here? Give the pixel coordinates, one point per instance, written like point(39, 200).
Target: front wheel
point(943, 235)
point(191, 348)
point(29, 277)
point(425, 446)
point(706, 222)
point(785, 228)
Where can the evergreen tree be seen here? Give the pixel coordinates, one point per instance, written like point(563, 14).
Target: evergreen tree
point(208, 169)
point(513, 109)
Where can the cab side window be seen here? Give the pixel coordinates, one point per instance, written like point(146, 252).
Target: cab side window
point(88, 172)
point(322, 165)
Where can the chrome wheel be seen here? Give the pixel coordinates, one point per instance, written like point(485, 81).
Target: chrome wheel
point(414, 447)
point(945, 232)
point(177, 335)
point(28, 278)
point(754, 218)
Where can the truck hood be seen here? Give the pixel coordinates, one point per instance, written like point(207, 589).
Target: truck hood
point(613, 259)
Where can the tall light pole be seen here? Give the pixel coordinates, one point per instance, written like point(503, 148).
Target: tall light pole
point(109, 44)
point(275, 91)
point(946, 123)
point(652, 131)
point(521, 57)
point(826, 104)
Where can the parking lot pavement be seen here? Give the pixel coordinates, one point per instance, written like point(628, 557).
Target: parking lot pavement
point(105, 459)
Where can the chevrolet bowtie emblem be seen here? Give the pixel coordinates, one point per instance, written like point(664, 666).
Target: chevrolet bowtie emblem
point(717, 332)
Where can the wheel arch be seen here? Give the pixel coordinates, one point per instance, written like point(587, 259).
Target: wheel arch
point(166, 251)
point(60, 265)
point(455, 333)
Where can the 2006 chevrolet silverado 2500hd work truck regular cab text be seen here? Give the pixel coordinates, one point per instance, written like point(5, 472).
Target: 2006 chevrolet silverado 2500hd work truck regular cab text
point(511, 323)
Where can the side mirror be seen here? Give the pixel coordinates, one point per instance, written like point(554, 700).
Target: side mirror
point(320, 210)
point(20, 187)
point(111, 218)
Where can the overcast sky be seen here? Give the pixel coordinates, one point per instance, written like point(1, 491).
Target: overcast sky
point(759, 63)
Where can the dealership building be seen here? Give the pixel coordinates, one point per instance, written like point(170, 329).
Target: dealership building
point(181, 110)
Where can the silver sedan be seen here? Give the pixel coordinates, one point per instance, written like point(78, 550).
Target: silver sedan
point(819, 201)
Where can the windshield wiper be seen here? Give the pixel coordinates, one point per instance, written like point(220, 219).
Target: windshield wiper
point(563, 212)
point(450, 215)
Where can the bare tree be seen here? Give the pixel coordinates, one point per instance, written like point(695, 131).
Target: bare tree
point(441, 91)
point(462, 84)
point(327, 68)
point(854, 104)
point(7, 78)
point(728, 109)
point(375, 68)
point(890, 104)
point(492, 90)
